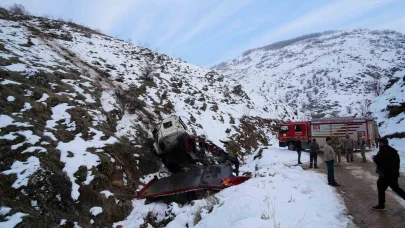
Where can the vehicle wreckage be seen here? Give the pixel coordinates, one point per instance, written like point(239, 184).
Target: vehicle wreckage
point(197, 165)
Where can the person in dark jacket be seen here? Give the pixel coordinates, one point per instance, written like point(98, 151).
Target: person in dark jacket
point(298, 147)
point(313, 154)
point(388, 163)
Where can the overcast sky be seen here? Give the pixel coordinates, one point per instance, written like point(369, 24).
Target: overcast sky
point(207, 32)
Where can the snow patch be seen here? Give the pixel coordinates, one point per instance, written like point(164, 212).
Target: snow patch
point(29, 136)
point(50, 135)
point(19, 67)
point(59, 113)
point(6, 120)
point(78, 147)
point(108, 101)
point(107, 193)
point(34, 148)
point(126, 126)
point(9, 82)
point(13, 220)
point(27, 106)
point(62, 222)
point(96, 210)
point(43, 98)
point(4, 210)
point(10, 98)
point(23, 170)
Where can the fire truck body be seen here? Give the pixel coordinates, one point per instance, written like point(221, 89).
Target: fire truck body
point(319, 129)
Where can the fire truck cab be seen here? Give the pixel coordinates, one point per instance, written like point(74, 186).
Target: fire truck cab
point(290, 132)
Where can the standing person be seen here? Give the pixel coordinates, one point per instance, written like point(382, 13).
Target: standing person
point(348, 145)
point(337, 147)
point(363, 149)
point(377, 139)
point(298, 147)
point(328, 157)
point(388, 163)
point(313, 154)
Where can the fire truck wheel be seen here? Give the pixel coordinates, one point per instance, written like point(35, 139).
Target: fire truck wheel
point(291, 146)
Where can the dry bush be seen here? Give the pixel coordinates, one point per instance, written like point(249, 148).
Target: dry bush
point(18, 9)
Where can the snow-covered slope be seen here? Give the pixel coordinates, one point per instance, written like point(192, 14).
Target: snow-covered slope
point(389, 109)
point(281, 194)
point(332, 73)
point(77, 107)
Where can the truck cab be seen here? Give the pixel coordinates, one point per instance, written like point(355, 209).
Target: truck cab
point(290, 132)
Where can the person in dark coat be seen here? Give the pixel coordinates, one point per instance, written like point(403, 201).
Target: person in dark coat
point(388, 163)
point(298, 147)
point(313, 154)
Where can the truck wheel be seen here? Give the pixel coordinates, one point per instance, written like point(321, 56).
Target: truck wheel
point(291, 146)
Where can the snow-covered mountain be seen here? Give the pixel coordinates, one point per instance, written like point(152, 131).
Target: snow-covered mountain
point(389, 109)
point(332, 73)
point(76, 110)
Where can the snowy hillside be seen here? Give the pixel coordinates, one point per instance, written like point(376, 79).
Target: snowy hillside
point(332, 73)
point(76, 110)
point(281, 194)
point(389, 109)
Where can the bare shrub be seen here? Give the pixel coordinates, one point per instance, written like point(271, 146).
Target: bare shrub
point(146, 73)
point(18, 9)
point(349, 109)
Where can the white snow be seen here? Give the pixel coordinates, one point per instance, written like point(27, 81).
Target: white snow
point(43, 98)
point(10, 98)
point(126, 126)
point(4, 210)
point(16, 67)
point(108, 101)
point(6, 120)
point(10, 136)
point(9, 82)
point(34, 148)
point(279, 193)
point(96, 210)
point(23, 170)
point(62, 222)
point(13, 220)
point(50, 135)
point(28, 93)
point(77, 88)
point(34, 203)
point(78, 146)
point(107, 193)
point(393, 96)
point(59, 113)
point(399, 145)
point(29, 136)
point(27, 106)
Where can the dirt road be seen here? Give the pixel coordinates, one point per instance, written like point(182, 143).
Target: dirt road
point(359, 191)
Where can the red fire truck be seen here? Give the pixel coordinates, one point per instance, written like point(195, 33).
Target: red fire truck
point(319, 129)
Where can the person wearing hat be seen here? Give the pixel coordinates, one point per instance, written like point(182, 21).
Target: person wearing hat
point(388, 164)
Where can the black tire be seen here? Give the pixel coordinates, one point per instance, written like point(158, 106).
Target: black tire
point(291, 146)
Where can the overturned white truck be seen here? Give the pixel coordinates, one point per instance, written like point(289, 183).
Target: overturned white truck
point(196, 163)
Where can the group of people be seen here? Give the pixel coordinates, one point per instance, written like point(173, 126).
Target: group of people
point(387, 161)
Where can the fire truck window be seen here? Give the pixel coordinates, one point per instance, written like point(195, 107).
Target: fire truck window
point(283, 129)
point(298, 128)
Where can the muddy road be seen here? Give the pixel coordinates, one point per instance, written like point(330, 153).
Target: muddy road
point(359, 191)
